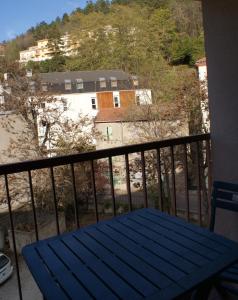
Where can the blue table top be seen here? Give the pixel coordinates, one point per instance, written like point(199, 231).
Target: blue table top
point(142, 254)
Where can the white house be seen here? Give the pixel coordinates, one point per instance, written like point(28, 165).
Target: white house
point(86, 93)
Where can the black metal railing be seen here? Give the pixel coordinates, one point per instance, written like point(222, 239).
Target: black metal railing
point(177, 171)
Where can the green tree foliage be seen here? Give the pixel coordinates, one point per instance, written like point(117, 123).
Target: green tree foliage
point(133, 35)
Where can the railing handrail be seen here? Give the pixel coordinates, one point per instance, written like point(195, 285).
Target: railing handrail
point(24, 166)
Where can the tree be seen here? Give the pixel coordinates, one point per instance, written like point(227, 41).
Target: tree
point(89, 8)
point(46, 131)
point(176, 111)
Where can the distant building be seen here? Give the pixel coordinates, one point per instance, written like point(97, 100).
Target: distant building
point(87, 92)
point(42, 51)
point(108, 93)
point(114, 127)
point(90, 93)
point(119, 128)
point(201, 65)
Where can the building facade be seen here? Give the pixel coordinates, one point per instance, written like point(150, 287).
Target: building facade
point(89, 93)
point(42, 51)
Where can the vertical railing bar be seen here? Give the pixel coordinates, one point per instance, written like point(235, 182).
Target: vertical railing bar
point(13, 237)
point(94, 190)
point(174, 202)
point(144, 179)
point(199, 185)
point(75, 196)
point(33, 205)
point(128, 182)
point(112, 186)
point(185, 164)
point(55, 200)
point(208, 156)
point(159, 179)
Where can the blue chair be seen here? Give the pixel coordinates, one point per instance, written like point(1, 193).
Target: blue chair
point(225, 196)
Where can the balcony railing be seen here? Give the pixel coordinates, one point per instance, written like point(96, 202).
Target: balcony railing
point(172, 175)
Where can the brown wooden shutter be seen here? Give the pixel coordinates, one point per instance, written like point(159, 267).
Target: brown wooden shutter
point(105, 100)
point(127, 98)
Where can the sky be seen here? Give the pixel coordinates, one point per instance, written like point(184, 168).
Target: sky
point(16, 16)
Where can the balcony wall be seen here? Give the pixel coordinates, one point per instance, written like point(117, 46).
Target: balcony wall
point(221, 36)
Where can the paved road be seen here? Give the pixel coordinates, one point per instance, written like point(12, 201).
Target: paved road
point(9, 290)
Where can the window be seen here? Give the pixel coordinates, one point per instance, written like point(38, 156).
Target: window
point(135, 80)
point(67, 84)
point(79, 84)
point(94, 104)
point(2, 100)
point(138, 100)
point(103, 83)
point(42, 105)
point(65, 106)
point(116, 101)
point(44, 87)
point(113, 82)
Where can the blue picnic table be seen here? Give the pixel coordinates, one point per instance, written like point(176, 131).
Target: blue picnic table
point(145, 254)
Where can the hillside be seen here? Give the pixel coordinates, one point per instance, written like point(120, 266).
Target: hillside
point(133, 35)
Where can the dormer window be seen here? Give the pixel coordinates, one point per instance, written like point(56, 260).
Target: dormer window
point(135, 81)
point(79, 84)
point(67, 84)
point(113, 82)
point(103, 83)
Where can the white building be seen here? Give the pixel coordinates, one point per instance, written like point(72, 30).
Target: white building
point(201, 66)
point(86, 93)
point(41, 51)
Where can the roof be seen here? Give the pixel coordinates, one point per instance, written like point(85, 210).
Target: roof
point(86, 76)
point(109, 115)
point(164, 111)
point(201, 62)
point(113, 115)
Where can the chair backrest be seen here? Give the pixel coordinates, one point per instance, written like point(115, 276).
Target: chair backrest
point(225, 196)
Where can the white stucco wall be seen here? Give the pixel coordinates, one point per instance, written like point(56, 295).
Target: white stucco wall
point(116, 134)
point(79, 104)
point(202, 73)
point(145, 96)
